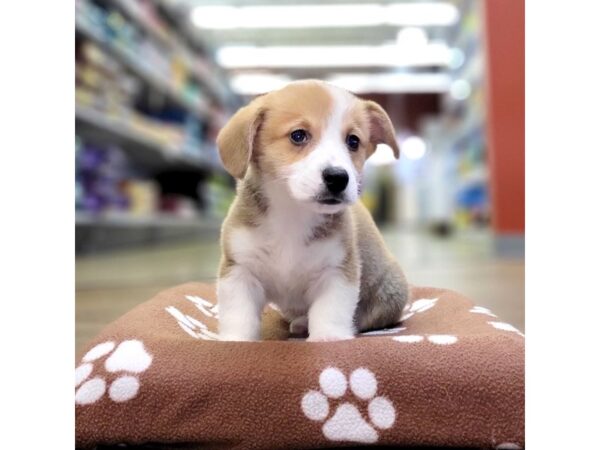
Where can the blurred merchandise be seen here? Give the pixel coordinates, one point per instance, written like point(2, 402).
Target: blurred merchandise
point(219, 195)
point(103, 86)
point(455, 191)
point(100, 175)
point(108, 186)
point(178, 206)
point(148, 105)
point(151, 57)
point(143, 196)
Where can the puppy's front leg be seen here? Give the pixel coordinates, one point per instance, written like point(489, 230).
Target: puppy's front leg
point(241, 301)
point(331, 315)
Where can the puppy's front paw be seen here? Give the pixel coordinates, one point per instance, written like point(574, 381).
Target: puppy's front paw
point(329, 337)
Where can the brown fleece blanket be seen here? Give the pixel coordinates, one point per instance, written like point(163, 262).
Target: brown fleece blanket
point(451, 374)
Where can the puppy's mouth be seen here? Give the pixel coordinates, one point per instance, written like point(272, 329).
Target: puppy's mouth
point(330, 201)
point(327, 198)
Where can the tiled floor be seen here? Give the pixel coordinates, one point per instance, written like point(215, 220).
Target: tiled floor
point(110, 284)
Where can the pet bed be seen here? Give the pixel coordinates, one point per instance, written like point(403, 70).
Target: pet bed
point(450, 374)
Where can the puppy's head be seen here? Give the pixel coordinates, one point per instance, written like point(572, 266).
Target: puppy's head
point(309, 137)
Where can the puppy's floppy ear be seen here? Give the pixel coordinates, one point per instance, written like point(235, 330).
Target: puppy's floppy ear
point(381, 128)
point(236, 139)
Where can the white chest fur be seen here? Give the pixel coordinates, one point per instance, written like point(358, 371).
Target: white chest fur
point(280, 254)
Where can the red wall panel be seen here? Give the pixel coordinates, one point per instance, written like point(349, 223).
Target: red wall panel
point(505, 39)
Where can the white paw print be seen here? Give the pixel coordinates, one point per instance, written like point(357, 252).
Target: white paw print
point(482, 310)
point(439, 339)
point(418, 306)
point(130, 357)
point(506, 327)
point(192, 326)
point(207, 308)
point(347, 423)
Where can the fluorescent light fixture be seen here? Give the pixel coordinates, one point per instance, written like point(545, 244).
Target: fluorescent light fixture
point(412, 37)
point(460, 89)
point(322, 16)
point(359, 83)
point(257, 83)
point(390, 83)
point(383, 156)
point(434, 54)
point(457, 58)
point(413, 147)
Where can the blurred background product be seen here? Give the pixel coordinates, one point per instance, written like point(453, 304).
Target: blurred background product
point(156, 79)
point(149, 103)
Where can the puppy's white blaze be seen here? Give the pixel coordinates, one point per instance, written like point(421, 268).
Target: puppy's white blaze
point(305, 176)
point(334, 141)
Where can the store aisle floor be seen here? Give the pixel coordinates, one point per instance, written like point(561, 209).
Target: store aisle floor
point(109, 285)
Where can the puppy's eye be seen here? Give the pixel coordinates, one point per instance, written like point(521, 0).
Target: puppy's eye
point(299, 137)
point(352, 141)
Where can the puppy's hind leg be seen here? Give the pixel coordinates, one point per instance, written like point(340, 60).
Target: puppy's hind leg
point(299, 326)
point(382, 303)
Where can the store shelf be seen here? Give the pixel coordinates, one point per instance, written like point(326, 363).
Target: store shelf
point(475, 176)
point(117, 131)
point(199, 108)
point(172, 42)
point(127, 220)
point(127, 6)
point(212, 75)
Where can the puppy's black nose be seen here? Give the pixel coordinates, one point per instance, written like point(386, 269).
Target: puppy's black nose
point(336, 179)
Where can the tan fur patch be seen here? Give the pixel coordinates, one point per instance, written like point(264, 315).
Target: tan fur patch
point(249, 206)
point(350, 266)
point(357, 122)
point(236, 141)
point(381, 129)
point(253, 202)
point(306, 106)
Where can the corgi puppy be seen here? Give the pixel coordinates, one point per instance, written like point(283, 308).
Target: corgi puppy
point(296, 234)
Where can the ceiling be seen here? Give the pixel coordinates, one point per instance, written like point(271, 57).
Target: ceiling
point(388, 81)
point(322, 36)
point(305, 36)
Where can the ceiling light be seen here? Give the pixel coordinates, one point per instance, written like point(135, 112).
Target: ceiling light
point(390, 83)
point(413, 147)
point(434, 54)
point(411, 37)
point(460, 89)
point(313, 16)
point(257, 83)
point(457, 58)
